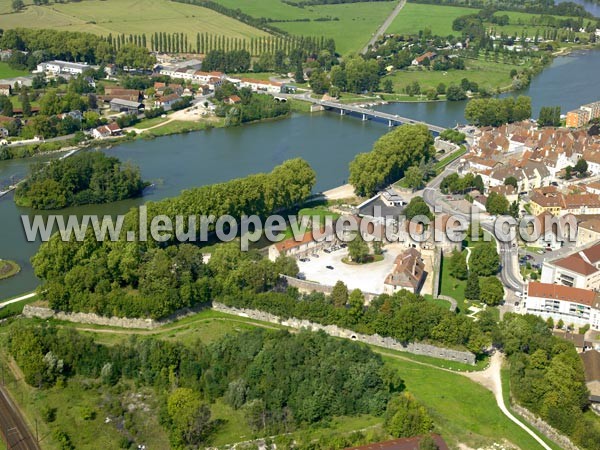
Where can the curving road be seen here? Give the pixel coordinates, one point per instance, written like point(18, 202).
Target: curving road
point(510, 274)
point(382, 29)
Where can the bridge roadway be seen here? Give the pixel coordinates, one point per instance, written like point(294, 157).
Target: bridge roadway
point(366, 114)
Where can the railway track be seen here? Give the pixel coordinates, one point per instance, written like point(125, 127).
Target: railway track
point(13, 430)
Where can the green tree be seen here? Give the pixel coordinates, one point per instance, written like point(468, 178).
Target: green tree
point(458, 265)
point(339, 294)
point(581, 167)
point(405, 417)
point(414, 177)
point(388, 86)
point(18, 5)
point(417, 207)
point(455, 93)
point(358, 249)
point(485, 260)
point(190, 418)
point(432, 94)
point(496, 204)
point(511, 181)
point(6, 106)
point(549, 116)
point(492, 292)
point(441, 89)
point(472, 291)
point(357, 305)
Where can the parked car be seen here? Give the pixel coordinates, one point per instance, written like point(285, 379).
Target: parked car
point(329, 267)
point(327, 250)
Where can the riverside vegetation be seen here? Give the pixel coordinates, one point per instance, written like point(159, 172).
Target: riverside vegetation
point(90, 177)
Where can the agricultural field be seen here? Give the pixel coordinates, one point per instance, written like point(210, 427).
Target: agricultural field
point(129, 16)
point(488, 74)
point(415, 17)
point(357, 21)
point(7, 72)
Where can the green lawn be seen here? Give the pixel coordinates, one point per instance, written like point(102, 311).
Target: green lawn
point(452, 287)
point(182, 126)
point(463, 412)
point(415, 17)
point(488, 74)
point(357, 21)
point(520, 23)
point(129, 16)
point(7, 72)
point(448, 159)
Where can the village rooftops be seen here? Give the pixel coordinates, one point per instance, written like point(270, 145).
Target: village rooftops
point(563, 293)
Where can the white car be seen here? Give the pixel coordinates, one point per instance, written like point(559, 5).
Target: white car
point(519, 294)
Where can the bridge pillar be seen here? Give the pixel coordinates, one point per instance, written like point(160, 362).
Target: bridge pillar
point(364, 117)
point(341, 112)
point(390, 124)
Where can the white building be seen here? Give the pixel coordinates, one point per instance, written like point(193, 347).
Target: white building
point(63, 67)
point(269, 87)
point(575, 306)
point(580, 270)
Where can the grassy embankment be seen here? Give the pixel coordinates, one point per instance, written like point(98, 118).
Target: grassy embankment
point(462, 410)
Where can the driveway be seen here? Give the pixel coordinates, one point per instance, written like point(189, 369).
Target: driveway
point(368, 278)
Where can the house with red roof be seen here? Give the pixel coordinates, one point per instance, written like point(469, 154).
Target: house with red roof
point(572, 305)
point(580, 269)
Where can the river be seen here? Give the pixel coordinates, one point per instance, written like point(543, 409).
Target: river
point(327, 141)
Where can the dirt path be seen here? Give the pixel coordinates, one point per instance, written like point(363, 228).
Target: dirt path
point(490, 378)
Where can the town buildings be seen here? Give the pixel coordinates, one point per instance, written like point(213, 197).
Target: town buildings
point(58, 67)
point(580, 269)
point(580, 117)
point(408, 273)
point(572, 305)
point(106, 131)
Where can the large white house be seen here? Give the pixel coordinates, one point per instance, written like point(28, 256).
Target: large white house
point(575, 306)
point(579, 270)
point(57, 67)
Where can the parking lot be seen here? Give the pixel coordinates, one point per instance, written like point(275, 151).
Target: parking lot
point(368, 278)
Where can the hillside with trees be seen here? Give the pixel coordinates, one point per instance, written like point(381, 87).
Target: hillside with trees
point(276, 381)
point(90, 177)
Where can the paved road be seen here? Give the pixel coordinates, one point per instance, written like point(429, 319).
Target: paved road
point(510, 274)
point(13, 429)
point(382, 29)
point(18, 299)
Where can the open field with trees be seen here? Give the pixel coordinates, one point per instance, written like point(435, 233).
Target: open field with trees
point(129, 17)
point(416, 17)
point(486, 73)
point(355, 23)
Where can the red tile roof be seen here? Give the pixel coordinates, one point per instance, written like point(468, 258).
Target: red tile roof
point(562, 293)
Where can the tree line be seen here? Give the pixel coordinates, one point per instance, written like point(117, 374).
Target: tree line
point(154, 279)
point(547, 377)
point(89, 177)
point(252, 106)
point(391, 155)
point(495, 112)
point(403, 316)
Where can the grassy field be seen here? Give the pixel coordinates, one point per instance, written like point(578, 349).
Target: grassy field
point(452, 287)
point(357, 21)
point(129, 16)
point(7, 72)
point(415, 17)
point(520, 22)
point(488, 74)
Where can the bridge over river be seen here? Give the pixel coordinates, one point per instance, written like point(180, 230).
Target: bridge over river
point(370, 114)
